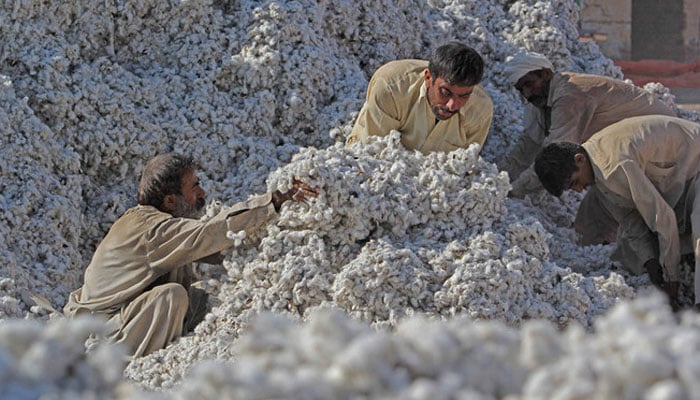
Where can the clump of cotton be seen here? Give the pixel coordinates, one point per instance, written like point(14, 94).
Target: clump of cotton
point(262, 91)
point(88, 99)
point(391, 235)
point(41, 360)
point(639, 350)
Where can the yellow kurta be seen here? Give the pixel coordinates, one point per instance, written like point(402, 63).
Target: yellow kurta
point(645, 164)
point(146, 247)
point(396, 100)
point(580, 105)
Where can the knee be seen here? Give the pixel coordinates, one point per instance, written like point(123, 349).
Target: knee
point(173, 293)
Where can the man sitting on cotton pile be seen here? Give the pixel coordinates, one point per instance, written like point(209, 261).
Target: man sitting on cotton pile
point(140, 276)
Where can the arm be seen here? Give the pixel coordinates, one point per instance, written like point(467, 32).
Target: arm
point(519, 161)
point(179, 241)
point(569, 123)
point(378, 116)
point(520, 157)
point(480, 107)
point(657, 214)
point(527, 183)
point(571, 116)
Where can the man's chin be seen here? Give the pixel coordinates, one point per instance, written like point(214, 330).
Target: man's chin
point(191, 213)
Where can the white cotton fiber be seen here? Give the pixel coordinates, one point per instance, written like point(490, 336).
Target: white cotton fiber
point(409, 276)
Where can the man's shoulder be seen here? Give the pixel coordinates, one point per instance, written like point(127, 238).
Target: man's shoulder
point(401, 68)
point(583, 81)
point(481, 93)
point(142, 214)
point(479, 101)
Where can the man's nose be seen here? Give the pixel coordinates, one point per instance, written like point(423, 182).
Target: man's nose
point(454, 104)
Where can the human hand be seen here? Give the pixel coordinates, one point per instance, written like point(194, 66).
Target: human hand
point(671, 290)
point(656, 275)
point(300, 191)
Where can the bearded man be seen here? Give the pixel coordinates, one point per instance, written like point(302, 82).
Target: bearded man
point(568, 106)
point(140, 277)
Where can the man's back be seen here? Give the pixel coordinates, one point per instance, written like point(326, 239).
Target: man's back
point(665, 149)
point(580, 105)
point(648, 164)
point(119, 270)
point(583, 104)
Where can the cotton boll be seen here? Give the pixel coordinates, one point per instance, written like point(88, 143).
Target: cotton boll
point(261, 93)
point(666, 390)
point(541, 344)
point(236, 237)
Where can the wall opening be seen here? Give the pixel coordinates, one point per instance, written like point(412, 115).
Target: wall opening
point(657, 29)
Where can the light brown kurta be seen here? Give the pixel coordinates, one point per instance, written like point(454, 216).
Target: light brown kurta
point(646, 164)
point(147, 248)
point(396, 100)
point(581, 105)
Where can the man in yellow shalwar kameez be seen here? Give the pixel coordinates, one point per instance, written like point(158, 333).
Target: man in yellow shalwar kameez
point(437, 105)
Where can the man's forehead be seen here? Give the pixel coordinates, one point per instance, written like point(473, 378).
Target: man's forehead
point(190, 175)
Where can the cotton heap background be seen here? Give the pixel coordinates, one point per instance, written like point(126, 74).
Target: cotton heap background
point(410, 276)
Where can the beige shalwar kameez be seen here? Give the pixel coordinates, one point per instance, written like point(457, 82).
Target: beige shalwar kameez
point(397, 100)
point(578, 106)
point(646, 167)
point(140, 275)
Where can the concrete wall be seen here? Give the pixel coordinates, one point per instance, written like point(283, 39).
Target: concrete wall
point(691, 33)
point(612, 19)
point(611, 22)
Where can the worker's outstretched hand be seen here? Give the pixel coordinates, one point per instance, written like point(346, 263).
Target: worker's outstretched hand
point(300, 191)
point(653, 268)
point(671, 290)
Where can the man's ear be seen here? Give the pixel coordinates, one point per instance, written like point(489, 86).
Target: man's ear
point(579, 159)
point(427, 77)
point(169, 203)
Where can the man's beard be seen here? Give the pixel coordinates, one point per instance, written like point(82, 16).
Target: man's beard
point(443, 109)
point(538, 101)
point(184, 210)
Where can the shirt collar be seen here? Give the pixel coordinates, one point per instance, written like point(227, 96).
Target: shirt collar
point(423, 91)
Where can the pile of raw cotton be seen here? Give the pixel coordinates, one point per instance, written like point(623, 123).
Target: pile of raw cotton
point(409, 276)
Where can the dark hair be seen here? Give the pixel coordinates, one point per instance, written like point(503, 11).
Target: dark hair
point(163, 176)
point(457, 64)
point(555, 164)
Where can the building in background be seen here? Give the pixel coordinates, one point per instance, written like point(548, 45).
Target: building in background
point(643, 29)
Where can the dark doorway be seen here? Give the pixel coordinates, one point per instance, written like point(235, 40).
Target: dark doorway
point(657, 29)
